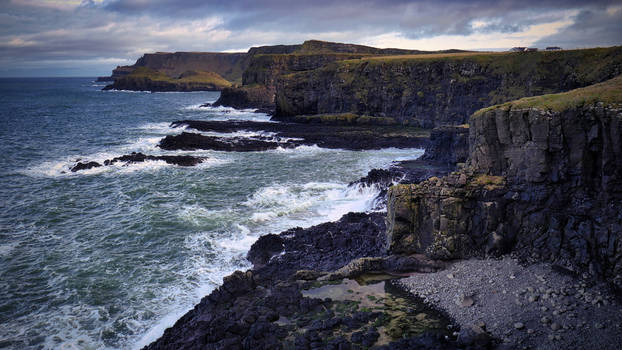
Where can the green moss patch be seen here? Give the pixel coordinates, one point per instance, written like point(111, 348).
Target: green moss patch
point(608, 92)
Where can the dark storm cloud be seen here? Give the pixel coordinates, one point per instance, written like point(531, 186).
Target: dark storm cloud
point(36, 32)
point(425, 17)
point(590, 28)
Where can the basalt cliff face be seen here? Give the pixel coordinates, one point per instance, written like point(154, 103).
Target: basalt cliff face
point(432, 90)
point(259, 79)
point(146, 79)
point(267, 64)
point(543, 179)
point(228, 65)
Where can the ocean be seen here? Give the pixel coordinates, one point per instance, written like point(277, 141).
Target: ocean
point(109, 257)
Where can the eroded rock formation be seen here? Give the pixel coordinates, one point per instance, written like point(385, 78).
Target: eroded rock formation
point(433, 90)
point(543, 178)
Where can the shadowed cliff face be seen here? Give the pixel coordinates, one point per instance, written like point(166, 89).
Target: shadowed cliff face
point(431, 90)
point(259, 79)
point(267, 64)
point(546, 183)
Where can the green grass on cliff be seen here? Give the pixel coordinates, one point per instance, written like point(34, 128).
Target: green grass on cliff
point(190, 77)
point(608, 92)
point(344, 118)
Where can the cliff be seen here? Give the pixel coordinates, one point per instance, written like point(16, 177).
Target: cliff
point(259, 79)
point(118, 72)
point(146, 79)
point(267, 64)
point(542, 179)
point(435, 89)
point(228, 65)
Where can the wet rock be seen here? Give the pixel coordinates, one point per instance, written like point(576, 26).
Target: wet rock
point(193, 141)
point(327, 136)
point(264, 248)
point(139, 158)
point(84, 166)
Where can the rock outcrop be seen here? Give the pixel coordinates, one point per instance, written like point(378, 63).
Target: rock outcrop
point(266, 64)
point(259, 79)
point(288, 135)
point(134, 158)
point(433, 90)
point(146, 79)
point(543, 179)
point(448, 144)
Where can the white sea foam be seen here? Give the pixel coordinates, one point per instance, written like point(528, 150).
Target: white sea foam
point(281, 206)
point(207, 274)
point(126, 91)
point(228, 113)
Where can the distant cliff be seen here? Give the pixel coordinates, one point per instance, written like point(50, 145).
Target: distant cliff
point(147, 79)
point(228, 65)
point(267, 64)
point(431, 90)
point(259, 79)
point(543, 179)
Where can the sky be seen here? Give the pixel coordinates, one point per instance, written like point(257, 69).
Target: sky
point(91, 37)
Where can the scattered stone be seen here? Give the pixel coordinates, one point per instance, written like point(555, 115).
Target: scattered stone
point(519, 325)
point(466, 300)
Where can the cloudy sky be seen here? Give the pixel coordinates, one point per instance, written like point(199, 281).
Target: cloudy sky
point(90, 37)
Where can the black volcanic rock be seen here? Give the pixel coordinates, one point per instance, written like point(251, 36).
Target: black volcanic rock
point(193, 141)
point(544, 183)
point(139, 158)
point(84, 166)
point(431, 92)
point(324, 247)
point(265, 248)
point(354, 137)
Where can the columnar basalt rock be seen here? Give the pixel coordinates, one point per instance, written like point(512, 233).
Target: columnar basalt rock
point(433, 90)
point(542, 178)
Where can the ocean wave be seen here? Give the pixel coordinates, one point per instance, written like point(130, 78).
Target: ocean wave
point(62, 168)
point(308, 204)
point(126, 91)
point(222, 113)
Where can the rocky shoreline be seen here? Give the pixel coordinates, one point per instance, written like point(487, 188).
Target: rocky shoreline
point(453, 230)
point(481, 303)
point(271, 135)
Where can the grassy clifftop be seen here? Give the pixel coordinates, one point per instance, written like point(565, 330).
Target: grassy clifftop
point(147, 79)
point(440, 88)
point(608, 92)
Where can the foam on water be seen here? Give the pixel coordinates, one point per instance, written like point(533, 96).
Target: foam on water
point(227, 113)
point(109, 257)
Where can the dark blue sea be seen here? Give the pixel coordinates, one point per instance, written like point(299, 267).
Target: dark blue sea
point(109, 257)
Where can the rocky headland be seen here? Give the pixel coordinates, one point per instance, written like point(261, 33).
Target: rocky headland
point(438, 89)
point(506, 233)
point(289, 135)
point(147, 79)
point(533, 181)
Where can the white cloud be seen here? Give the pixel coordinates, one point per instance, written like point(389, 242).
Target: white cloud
point(476, 40)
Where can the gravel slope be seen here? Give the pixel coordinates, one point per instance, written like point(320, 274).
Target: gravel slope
point(532, 307)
